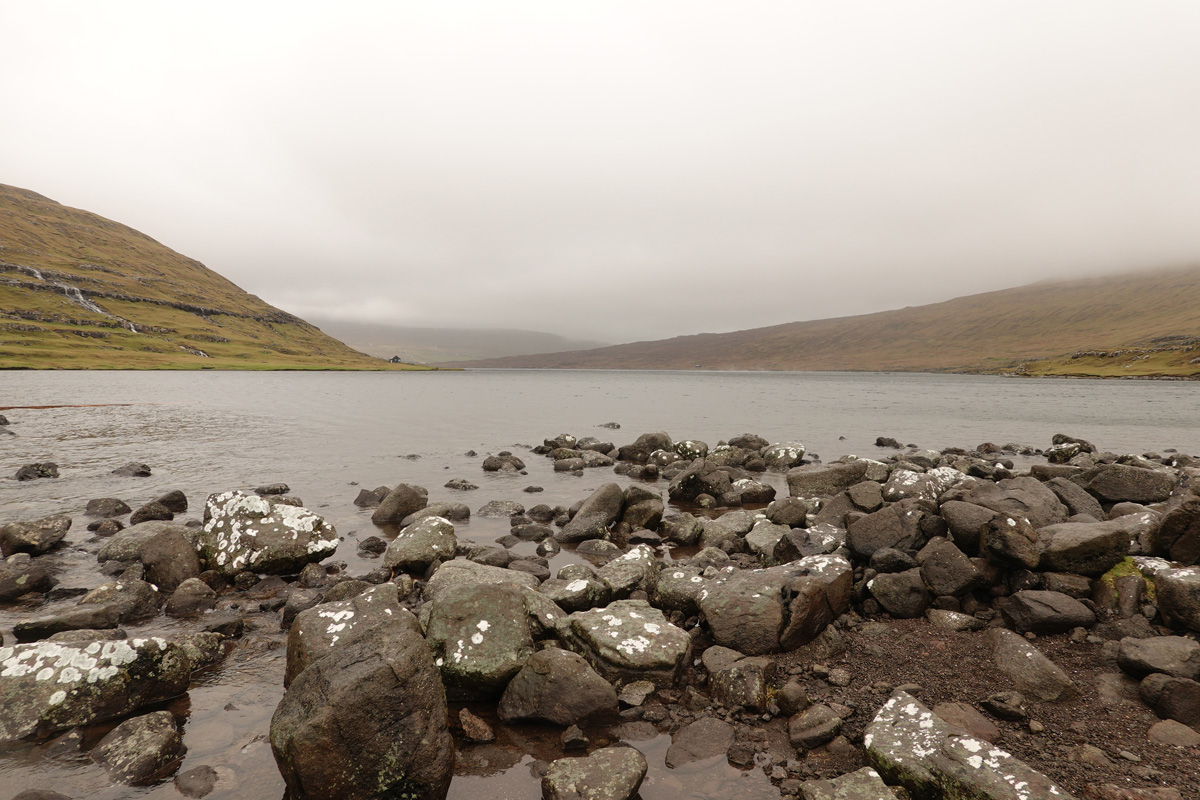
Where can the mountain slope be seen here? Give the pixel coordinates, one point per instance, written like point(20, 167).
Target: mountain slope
point(445, 345)
point(1132, 324)
point(81, 291)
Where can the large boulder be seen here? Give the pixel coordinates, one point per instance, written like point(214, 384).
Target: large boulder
point(247, 532)
point(35, 537)
point(482, 634)
point(141, 749)
point(49, 687)
point(1034, 674)
point(1023, 498)
point(863, 784)
point(966, 521)
point(599, 511)
point(696, 741)
point(1010, 542)
point(644, 445)
point(399, 503)
point(904, 484)
point(824, 481)
point(702, 476)
point(945, 569)
point(902, 594)
point(1039, 611)
point(611, 773)
point(132, 599)
point(163, 548)
point(1119, 483)
point(784, 455)
point(1178, 595)
point(1172, 698)
point(462, 572)
point(416, 547)
point(557, 686)
point(315, 632)
point(1178, 656)
point(1178, 538)
point(779, 608)
point(1085, 548)
point(628, 641)
point(637, 569)
point(910, 746)
point(896, 526)
point(368, 720)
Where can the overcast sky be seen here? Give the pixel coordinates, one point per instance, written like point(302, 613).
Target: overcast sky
point(614, 170)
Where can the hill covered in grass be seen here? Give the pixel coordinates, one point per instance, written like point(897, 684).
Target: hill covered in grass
point(78, 291)
point(1135, 324)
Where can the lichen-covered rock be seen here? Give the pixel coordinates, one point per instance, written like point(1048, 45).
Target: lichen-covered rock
point(628, 641)
point(825, 481)
point(577, 594)
point(765, 610)
point(863, 784)
point(557, 686)
point(48, 687)
point(427, 540)
point(367, 720)
point(1178, 595)
point(141, 749)
point(1024, 498)
point(1085, 548)
point(904, 484)
point(909, 745)
point(637, 569)
point(744, 683)
point(376, 613)
point(1010, 542)
point(245, 532)
point(611, 773)
point(461, 572)
point(482, 634)
point(35, 537)
point(132, 599)
point(784, 455)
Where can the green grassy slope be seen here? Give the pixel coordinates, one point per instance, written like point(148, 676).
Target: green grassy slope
point(78, 291)
point(1135, 324)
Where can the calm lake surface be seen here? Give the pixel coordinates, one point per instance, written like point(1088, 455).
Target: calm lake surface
point(329, 434)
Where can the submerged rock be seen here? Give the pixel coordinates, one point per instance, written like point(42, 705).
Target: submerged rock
point(35, 537)
point(141, 749)
point(611, 773)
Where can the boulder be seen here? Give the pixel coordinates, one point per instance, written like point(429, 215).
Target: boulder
point(374, 614)
point(1084, 548)
point(813, 727)
point(1178, 656)
point(132, 599)
point(593, 519)
point(35, 537)
point(577, 594)
point(637, 569)
point(134, 469)
point(678, 589)
point(191, 598)
point(1033, 674)
point(503, 461)
point(966, 521)
point(419, 545)
point(727, 531)
point(29, 472)
point(1010, 542)
point(1076, 498)
point(49, 687)
point(20, 574)
point(163, 548)
point(1172, 698)
point(399, 503)
point(151, 511)
point(1116, 483)
point(639, 452)
point(628, 641)
point(945, 569)
point(107, 507)
point(1178, 538)
point(611, 773)
point(367, 720)
point(896, 526)
point(784, 455)
point(89, 617)
point(904, 484)
point(743, 684)
point(141, 749)
point(825, 481)
point(912, 747)
point(700, 477)
point(1023, 498)
point(766, 610)
point(862, 784)
point(482, 634)
point(1038, 611)
point(764, 537)
point(557, 686)
point(248, 532)
point(1178, 595)
point(705, 738)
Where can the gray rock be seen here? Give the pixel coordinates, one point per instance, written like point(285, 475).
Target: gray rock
point(163, 548)
point(1178, 538)
point(902, 594)
point(696, 741)
point(1115, 483)
point(611, 773)
point(1076, 498)
point(966, 521)
point(784, 455)
point(373, 614)
point(152, 511)
point(369, 718)
point(461, 572)
point(862, 784)
point(1010, 542)
point(764, 537)
point(419, 545)
point(197, 782)
point(1023, 498)
point(35, 537)
point(599, 511)
point(133, 469)
point(682, 529)
point(790, 511)
point(20, 574)
point(727, 531)
point(132, 599)
point(910, 746)
point(1178, 595)
point(1173, 733)
point(190, 598)
point(742, 684)
point(557, 686)
point(503, 462)
point(49, 687)
point(801, 543)
point(1084, 548)
point(814, 727)
point(763, 611)
point(455, 512)
point(895, 526)
point(405, 499)
point(1178, 656)
point(29, 472)
point(628, 641)
point(578, 594)
point(91, 617)
point(827, 480)
point(637, 569)
point(1033, 674)
point(107, 507)
point(639, 452)
point(953, 620)
point(945, 569)
point(678, 589)
point(904, 484)
point(1172, 698)
point(248, 532)
point(1045, 612)
point(141, 749)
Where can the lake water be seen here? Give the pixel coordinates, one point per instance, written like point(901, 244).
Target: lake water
point(329, 434)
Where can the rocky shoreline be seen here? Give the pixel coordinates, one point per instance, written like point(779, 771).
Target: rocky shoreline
point(919, 624)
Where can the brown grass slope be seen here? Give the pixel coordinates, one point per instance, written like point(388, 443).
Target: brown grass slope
point(1141, 323)
point(80, 291)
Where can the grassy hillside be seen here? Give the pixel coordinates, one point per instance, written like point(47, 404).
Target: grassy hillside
point(444, 345)
point(78, 291)
point(1136, 324)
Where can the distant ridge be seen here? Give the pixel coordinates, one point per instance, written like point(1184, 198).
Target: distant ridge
point(81, 291)
point(1135, 324)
